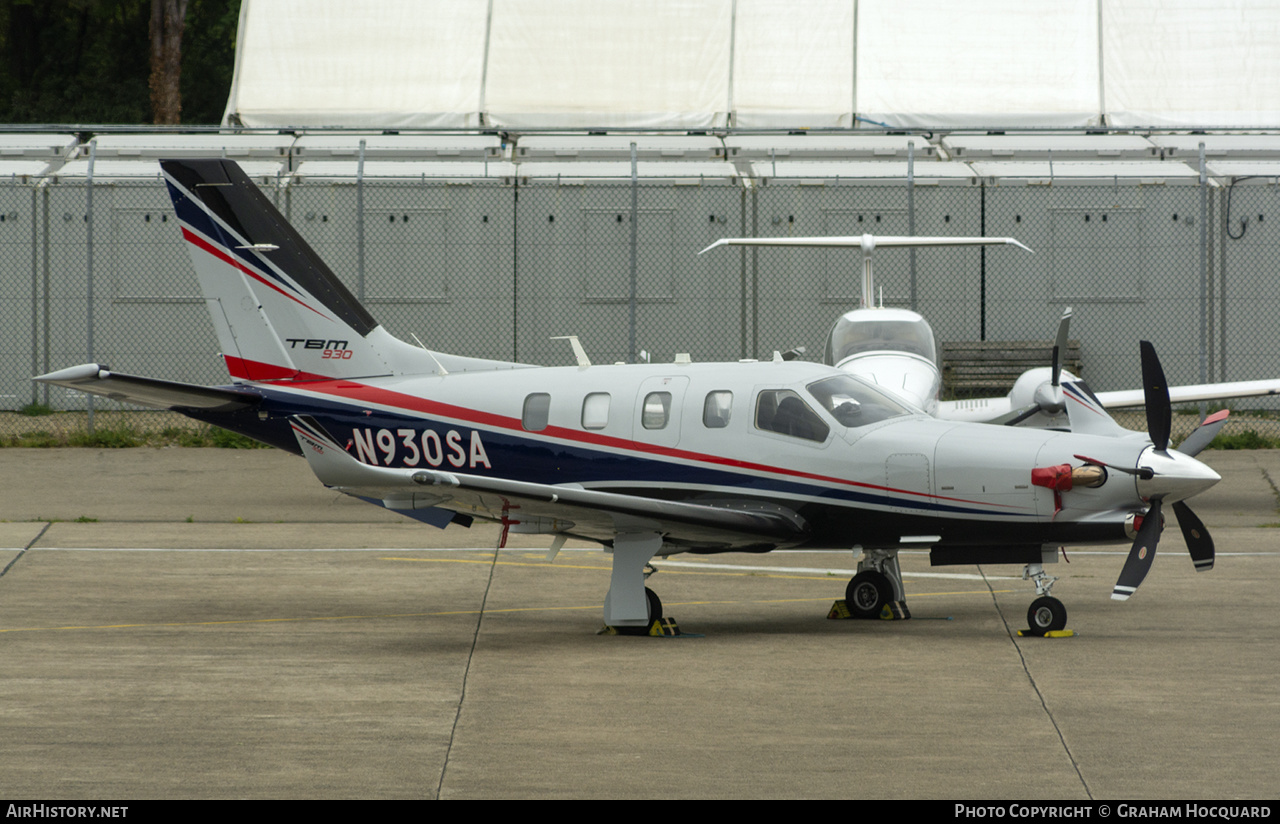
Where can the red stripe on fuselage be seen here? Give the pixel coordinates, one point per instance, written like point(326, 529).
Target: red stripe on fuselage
point(269, 373)
point(351, 391)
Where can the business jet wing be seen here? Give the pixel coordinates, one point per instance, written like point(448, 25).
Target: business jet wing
point(1006, 409)
point(570, 510)
point(1194, 392)
point(95, 379)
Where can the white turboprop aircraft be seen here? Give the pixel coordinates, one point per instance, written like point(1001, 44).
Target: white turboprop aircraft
point(647, 459)
point(896, 350)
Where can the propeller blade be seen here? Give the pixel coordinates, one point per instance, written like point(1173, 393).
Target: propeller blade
point(1207, 431)
point(1141, 555)
point(1199, 542)
point(1017, 416)
point(1156, 391)
point(1060, 346)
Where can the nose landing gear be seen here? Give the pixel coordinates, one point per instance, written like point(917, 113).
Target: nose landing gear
point(1046, 615)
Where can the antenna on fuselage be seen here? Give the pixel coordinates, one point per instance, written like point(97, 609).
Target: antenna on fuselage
point(579, 353)
point(439, 365)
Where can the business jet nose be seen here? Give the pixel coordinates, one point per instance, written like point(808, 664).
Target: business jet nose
point(1173, 476)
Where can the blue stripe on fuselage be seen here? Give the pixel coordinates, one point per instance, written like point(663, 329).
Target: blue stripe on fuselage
point(535, 459)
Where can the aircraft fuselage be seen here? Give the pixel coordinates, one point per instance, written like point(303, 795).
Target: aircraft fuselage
point(694, 432)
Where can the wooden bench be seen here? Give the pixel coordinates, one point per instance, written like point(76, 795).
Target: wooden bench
point(979, 368)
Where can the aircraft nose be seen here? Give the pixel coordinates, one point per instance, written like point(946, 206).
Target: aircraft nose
point(1175, 476)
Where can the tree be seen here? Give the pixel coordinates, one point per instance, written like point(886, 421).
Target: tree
point(168, 19)
point(88, 61)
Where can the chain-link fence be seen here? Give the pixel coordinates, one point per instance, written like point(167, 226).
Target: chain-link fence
point(497, 266)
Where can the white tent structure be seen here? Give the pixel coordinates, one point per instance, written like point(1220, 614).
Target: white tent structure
point(756, 64)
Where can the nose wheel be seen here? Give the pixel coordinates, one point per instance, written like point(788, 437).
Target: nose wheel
point(1046, 614)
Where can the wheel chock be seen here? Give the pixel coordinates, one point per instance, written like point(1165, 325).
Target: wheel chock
point(893, 611)
point(660, 628)
point(664, 628)
point(1056, 633)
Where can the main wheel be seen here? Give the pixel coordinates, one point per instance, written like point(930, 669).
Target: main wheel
point(655, 605)
point(1046, 614)
point(867, 593)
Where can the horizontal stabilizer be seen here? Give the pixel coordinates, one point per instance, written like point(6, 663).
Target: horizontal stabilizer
point(95, 379)
point(867, 242)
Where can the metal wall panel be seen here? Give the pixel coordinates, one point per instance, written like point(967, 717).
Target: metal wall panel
point(574, 270)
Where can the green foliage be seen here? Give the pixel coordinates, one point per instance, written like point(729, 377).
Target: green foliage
point(226, 439)
point(1249, 439)
point(39, 439)
point(87, 61)
point(33, 410)
point(124, 434)
point(102, 437)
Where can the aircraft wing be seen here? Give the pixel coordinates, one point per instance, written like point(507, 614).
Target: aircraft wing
point(95, 379)
point(1194, 392)
point(988, 410)
point(572, 510)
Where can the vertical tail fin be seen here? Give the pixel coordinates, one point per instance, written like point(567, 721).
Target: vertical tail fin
point(280, 312)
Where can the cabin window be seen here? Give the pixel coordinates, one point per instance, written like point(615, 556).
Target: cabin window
point(595, 410)
point(657, 410)
point(537, 408)
point(783, 411)
point(716, 409)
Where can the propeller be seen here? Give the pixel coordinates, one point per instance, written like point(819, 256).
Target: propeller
point(1159, 422)
point(1047, 397)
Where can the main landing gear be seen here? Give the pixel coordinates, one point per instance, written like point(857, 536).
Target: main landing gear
point(877, 585)
point(630, 607)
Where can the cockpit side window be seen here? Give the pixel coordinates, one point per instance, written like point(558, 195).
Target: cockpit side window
point(784, 412)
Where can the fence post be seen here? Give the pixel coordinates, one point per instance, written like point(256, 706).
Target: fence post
point(1204, 271)
point(44, 303)
point(911, 216)
point(360, 223)
point(635, 194)
point(93, 153)
point(35, 290)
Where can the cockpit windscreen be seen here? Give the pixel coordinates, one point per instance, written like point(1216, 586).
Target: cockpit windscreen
point(855, 403)
point(849, 337)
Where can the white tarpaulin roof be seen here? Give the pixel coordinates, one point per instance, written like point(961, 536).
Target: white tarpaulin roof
point(694, 64)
